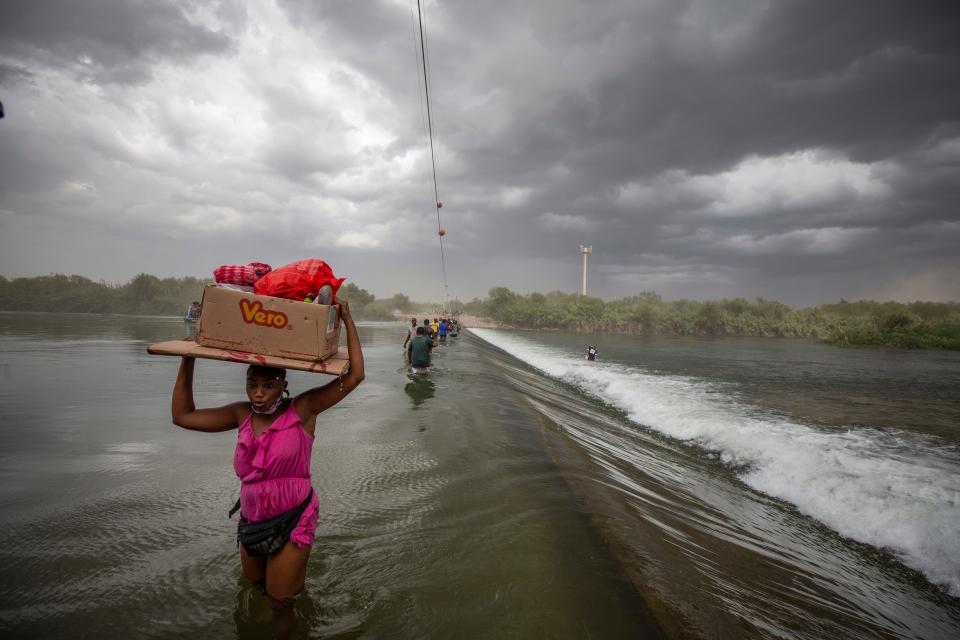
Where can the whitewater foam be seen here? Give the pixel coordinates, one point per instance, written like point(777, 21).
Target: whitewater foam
point(893, 490)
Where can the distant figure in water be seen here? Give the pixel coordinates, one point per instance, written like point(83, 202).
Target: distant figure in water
point(278, 507)
point(411, 333)
point(193, 312)
point(418, 352)
point(592, 353)
point(442, 330)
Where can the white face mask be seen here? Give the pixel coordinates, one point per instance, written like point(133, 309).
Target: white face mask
point(271, 409)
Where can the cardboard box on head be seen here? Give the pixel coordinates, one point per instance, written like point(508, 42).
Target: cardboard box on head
point(241, 321)
point(336, 365)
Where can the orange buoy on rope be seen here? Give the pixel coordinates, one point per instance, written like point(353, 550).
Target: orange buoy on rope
point(439, 205)
point(442, 232)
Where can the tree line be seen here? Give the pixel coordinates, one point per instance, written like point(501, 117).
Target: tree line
point(923, 325)
point(149, 295)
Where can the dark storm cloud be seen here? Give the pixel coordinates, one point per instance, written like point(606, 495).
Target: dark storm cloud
point(600, 96)
point(673, 84)
point(703, 147)
point(109, 41)
point(377, 39)
point(305, 144)
point(674, 99)
point(10, 74)
point(32, 161)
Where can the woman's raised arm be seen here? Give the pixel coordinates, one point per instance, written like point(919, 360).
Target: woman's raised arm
point(319, 399)
point(186, 415)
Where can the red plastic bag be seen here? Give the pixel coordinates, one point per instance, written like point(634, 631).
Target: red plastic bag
point(298, 280)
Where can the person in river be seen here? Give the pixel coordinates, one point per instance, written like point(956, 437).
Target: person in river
point(418, 353)
point(272, 459)
point(193, 312)
point(428, 331)
point(411, 333)
point(592, 353)
point(442, 330)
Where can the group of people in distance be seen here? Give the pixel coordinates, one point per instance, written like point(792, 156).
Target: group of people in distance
point(420, 340)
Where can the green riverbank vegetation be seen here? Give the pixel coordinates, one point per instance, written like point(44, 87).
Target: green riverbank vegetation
point(150, 295)
point(915, 325)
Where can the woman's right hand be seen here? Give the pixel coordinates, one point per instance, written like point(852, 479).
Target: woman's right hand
point(186, 415)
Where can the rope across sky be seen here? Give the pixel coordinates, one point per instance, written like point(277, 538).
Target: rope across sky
point(433, 158)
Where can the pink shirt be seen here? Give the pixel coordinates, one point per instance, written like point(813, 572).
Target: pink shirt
point(274, 472)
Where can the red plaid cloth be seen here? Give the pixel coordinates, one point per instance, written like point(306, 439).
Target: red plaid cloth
point(240, 274)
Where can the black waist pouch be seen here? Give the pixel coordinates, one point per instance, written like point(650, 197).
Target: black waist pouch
point(268, 536)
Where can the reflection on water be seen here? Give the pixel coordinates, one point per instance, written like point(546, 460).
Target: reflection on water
point(420, 388)
point(60, 326)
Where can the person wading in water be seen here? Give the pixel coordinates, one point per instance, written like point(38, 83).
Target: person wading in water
point(278, 508)
point(411, 333)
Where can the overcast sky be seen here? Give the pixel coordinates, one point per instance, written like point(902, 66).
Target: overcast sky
point(799, 150)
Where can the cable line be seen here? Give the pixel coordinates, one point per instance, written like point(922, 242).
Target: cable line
point(433, 156)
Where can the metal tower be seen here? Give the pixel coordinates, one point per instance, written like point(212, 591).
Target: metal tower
point(585, 251)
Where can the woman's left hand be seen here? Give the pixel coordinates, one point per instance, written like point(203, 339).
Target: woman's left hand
point(316, 400)
point(344, 308)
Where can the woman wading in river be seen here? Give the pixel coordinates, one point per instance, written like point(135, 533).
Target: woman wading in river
point(278, 508)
